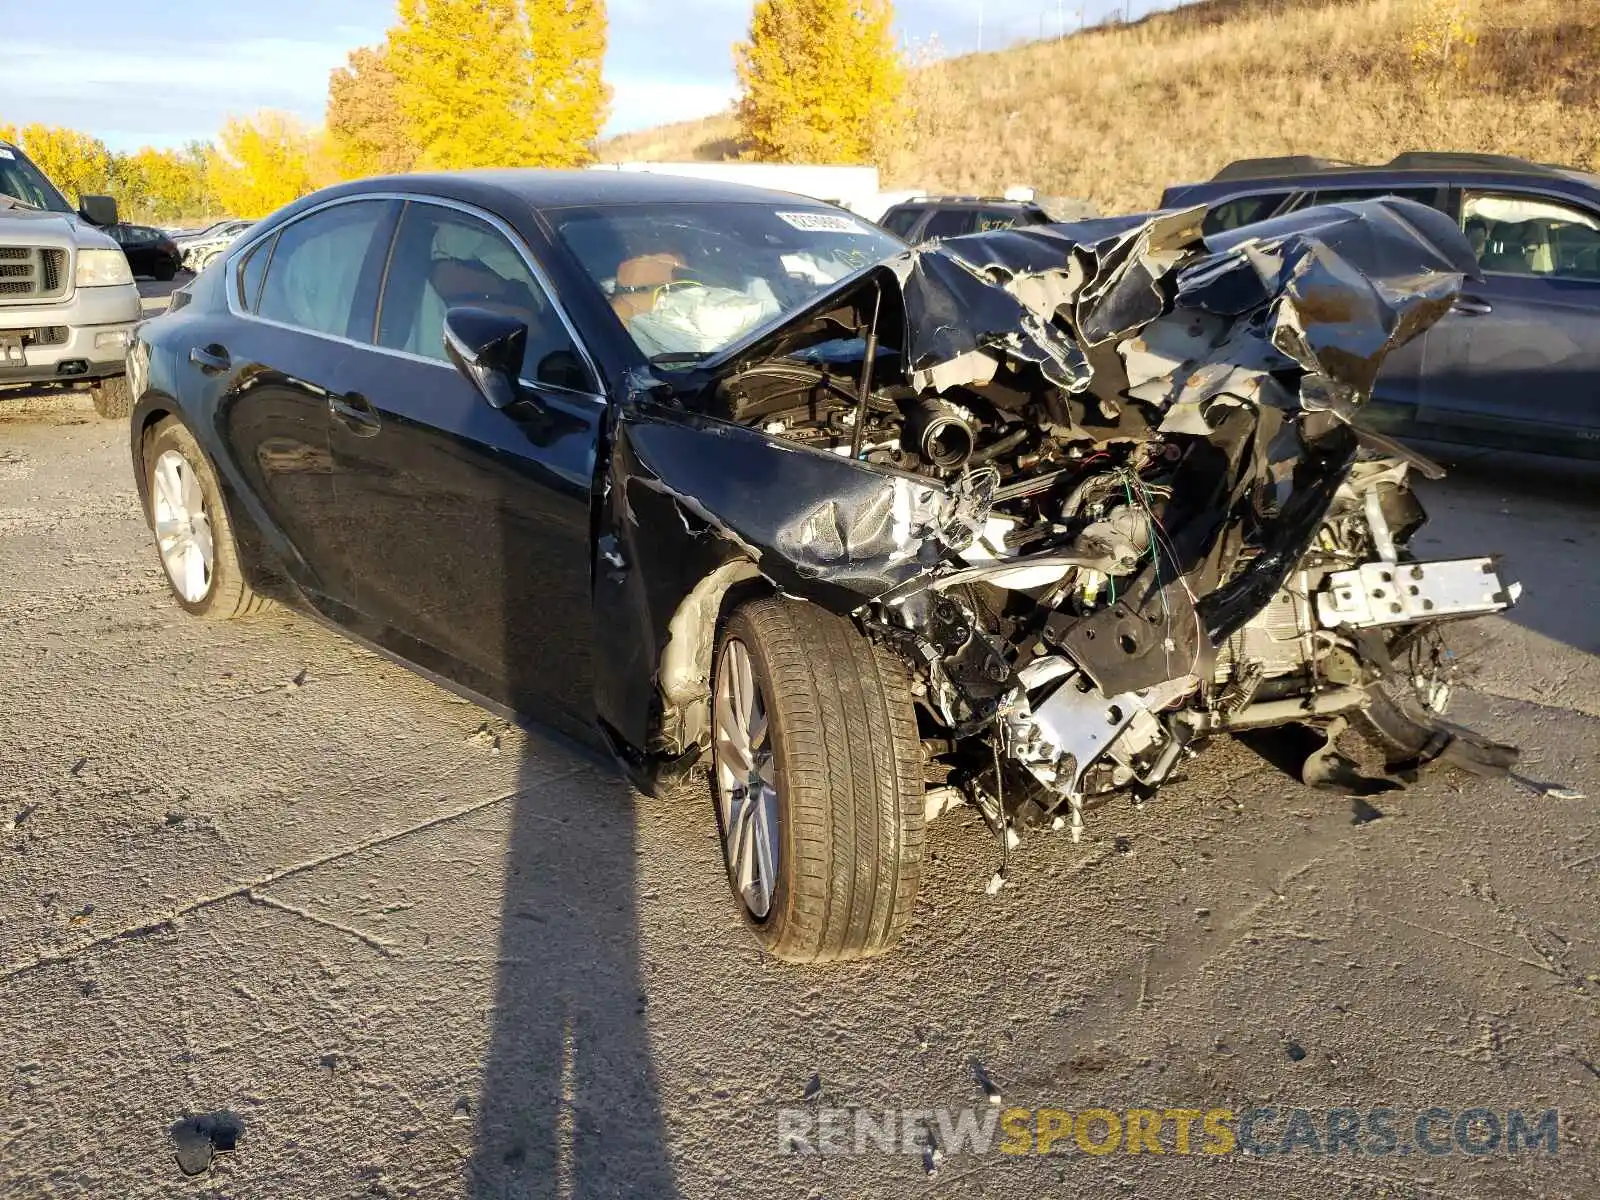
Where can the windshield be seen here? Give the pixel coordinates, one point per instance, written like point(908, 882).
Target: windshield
point(687, 280)
point(21, 180)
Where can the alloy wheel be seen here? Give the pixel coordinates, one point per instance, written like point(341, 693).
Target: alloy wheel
point(746, 780)
point(183, 527)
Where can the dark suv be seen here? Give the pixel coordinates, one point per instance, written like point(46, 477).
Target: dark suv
point(929, 217)
point(1516, 365)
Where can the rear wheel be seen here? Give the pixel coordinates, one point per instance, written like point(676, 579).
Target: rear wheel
point(166, 271)
point(194, 537)
point(817, 776)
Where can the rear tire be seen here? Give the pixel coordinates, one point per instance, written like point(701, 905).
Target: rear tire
point(225, 593)
point(112, 397)
point(165, 272)
point(843, 756)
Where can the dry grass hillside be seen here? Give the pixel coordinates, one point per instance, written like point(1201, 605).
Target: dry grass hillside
point(1115, 114)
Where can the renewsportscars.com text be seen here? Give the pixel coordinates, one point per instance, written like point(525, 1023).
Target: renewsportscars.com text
point(1377, 1132)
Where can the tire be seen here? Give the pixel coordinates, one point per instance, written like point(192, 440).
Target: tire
point(225, 593)
point(112, 397)
point(845, 765)
point(166, 271)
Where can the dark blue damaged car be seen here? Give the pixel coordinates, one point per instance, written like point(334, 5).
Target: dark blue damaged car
point(1515, 364)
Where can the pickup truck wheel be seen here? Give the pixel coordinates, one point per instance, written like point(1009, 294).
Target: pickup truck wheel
point(111, 397)
point(194, 537)
point(817, 775)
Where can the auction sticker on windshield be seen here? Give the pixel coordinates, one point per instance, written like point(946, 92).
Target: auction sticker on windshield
point(817, 222)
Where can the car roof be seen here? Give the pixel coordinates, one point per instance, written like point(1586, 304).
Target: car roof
point(986, 201)
point(1416, 168)
point(542, 189)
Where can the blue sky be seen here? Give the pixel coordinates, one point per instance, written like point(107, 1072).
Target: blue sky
point(167, 71)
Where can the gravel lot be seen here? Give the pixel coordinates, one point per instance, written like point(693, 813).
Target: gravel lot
point(252, 869)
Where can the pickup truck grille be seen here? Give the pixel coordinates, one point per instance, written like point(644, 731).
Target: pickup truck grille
point(32, 272)
point(43, 335)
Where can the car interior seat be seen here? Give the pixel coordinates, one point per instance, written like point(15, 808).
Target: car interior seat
point(1536, 249)
point(1504, 250)
point(639, 280)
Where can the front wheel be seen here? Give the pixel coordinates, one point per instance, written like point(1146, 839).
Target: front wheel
point(817, 774)
point(112, 397)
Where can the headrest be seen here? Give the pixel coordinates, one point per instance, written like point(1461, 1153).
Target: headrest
point(647, 270)
point(458, 280)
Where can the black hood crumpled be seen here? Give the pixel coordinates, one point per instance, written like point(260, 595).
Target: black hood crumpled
point(1241, 361)
point(1326, 293)
point(1135, 327)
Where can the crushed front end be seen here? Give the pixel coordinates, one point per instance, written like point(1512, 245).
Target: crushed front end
point(1105, 489)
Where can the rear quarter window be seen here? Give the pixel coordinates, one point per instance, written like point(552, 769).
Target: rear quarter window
point(252, 271)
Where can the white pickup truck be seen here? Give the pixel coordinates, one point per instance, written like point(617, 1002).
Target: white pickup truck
point(68, 304)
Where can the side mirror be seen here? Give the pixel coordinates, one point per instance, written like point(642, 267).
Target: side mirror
point(98, 210)
point(487, 348)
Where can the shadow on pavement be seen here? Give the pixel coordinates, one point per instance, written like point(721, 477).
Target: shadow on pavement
point(570, 1105)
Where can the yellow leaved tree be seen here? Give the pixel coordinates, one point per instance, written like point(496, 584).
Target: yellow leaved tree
point(163, 186)
point(500, 83)
point(75, 162)
point(821, 81)
point(367, 132)
point(261, 164)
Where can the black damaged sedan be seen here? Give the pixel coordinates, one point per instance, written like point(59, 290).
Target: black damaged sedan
point(722, 477)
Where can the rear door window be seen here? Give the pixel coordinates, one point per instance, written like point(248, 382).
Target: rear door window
point(444, 258)
point(1241, 210)
point(315, 279)
point(1532, 235)
point(1429, 196)
point(950, 222)
point(999, 218)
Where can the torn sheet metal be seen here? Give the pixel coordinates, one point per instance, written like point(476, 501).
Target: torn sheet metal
point(1114, 448)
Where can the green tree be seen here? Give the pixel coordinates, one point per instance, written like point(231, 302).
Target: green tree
point(500, 83)
point(367, 132)
point(821, 81)
point(261, 164)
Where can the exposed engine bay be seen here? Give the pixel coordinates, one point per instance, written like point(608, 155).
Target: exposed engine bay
point(1105, 489)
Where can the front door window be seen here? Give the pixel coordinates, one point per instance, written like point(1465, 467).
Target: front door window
point(1532, 236)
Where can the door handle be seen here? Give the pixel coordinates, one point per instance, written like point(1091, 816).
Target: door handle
point(355, 412)
point(212, 359)
point(1471, 306)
